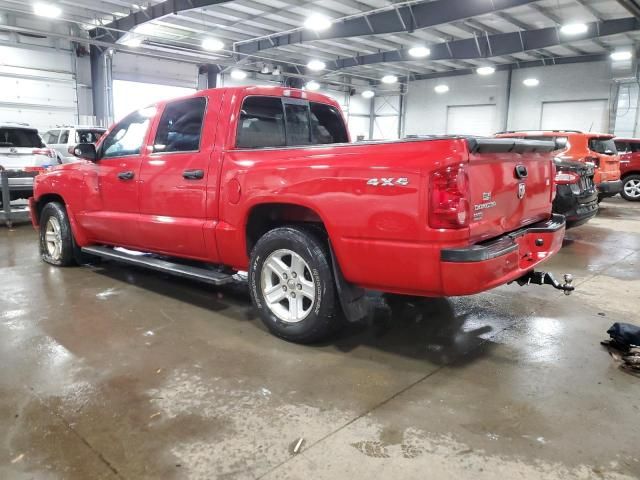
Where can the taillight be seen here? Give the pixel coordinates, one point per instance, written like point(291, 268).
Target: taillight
point(449, 190)
point(44, 151)
point(565, 178)
point(35, 169)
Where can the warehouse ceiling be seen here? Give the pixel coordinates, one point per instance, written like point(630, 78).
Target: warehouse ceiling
point(363, 40)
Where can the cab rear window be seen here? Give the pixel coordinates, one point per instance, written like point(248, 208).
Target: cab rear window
point(20, 138)
point(604, 146)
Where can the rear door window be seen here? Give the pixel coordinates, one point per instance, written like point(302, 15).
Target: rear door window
point(261, 123)
point(51, 136)
point(180, 126)
point(604, 146)
point(64, 136)
point(20, 138)
point(327, 125)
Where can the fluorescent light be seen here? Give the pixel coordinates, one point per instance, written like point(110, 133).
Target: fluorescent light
point(212, 44)
point(133, 42)
point(316, 65)
point(419, 52)
point(312, 85)
point(46, 10)
point(317, 22)
point(389, 79)
point(238, 74)
point(574, 28)
point(531, 82)
point(621, 55)
point(276, 72)
point(368, 94)
point(441, 88)
point(486, 70)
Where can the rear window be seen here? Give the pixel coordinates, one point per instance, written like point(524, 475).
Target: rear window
point(274, 122)
point(604, 146)
point(20, 137)
point(88, 136)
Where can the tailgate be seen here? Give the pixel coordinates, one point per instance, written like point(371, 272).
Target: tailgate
point(510, 184)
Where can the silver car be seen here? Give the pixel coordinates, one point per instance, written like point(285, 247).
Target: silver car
point(22, 150)
point(61, 138)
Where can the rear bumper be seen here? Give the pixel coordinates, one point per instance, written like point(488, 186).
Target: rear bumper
point(609, 189)
point(577, 208)
point(474, 269)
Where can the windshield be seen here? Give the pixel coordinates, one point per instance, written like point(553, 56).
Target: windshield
point(88, 136)
point(20, 137)
point(604, 146)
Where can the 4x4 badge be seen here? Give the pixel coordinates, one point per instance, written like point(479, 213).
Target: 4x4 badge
point(522, 189)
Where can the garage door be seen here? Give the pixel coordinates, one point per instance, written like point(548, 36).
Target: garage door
point(471, 120)
point(587, 115)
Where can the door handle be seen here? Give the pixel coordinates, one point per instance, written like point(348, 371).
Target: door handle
point(128, 175)
point(193, 174)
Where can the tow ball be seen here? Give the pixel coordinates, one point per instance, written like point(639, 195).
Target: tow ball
point(546, 278)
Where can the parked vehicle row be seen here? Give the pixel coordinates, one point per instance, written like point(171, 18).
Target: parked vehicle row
point(265, 180)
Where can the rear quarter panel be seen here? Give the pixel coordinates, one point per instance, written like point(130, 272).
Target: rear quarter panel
point(379, 233)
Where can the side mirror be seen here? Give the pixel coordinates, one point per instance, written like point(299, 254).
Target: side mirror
point(84, 150)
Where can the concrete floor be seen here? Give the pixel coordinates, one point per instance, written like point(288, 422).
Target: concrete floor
point(111, 372)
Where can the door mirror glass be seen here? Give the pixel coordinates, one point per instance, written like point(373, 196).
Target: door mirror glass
point(86, 151)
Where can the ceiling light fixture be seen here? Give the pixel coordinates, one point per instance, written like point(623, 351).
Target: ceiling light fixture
point(441, 88)
point(621, 55)
point(265, 70)
point(312, 85)
point(317, 22)
point(212, 44)
point(46, 10)
point(276, 72)
point(237, 74)
point(316, 65)
point(531, 82)
point(574, 28)
point(486, 70)
point(419, 52)
point(389, 79)
point(368, 94)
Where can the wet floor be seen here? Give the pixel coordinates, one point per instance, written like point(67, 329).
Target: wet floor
point(117, 373)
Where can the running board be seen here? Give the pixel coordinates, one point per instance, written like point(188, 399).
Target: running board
point(154, 263)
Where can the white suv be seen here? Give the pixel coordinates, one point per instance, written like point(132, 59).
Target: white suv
point(61, 138)
point(22, 150)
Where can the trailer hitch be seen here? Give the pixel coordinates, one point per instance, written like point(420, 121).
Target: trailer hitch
point(546, 278)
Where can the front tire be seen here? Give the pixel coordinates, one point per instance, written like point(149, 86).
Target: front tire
point(292, 285)
point(631, 188)
point(56, 239)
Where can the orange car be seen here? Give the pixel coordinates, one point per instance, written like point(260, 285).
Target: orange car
point(586, 147)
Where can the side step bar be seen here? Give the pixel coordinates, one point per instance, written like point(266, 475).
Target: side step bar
point(154, 263)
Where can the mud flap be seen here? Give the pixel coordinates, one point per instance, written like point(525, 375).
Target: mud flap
point(352, 298)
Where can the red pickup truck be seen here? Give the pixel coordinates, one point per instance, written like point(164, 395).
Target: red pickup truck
point(264, 180)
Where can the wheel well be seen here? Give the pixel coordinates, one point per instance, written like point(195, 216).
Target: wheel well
point(628, 174)
point(268, 216)
point(44, 199)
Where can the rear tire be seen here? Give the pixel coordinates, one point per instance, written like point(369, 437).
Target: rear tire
point(631, 188)
point(56, 239)
point(292, 285)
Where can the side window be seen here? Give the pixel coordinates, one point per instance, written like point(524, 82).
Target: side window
point(623, 147)
point(51, 136)
point(261, 123)
point(327, 125)
point(64, 138)
point(127, 137)
point(298, 128)
point(180, 126)
point(634, 147)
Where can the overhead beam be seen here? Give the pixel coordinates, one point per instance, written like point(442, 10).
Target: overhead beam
point(406, 18)
point(496, 45)
point(526, 64)
point(632, 6)
point(119, 27)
